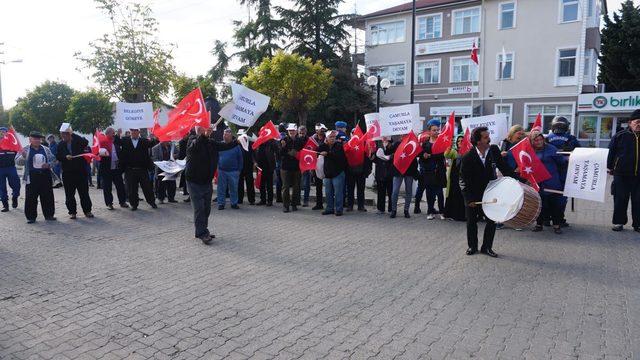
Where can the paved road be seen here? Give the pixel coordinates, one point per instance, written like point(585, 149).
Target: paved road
point(301, 285)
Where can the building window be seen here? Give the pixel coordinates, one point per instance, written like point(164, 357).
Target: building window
point(395, 73)
point(568, 10)
point(463, 69)
point(590, 7)
point(505, 65)
point(567, 63)
point(466, 21)
point(506, 109)
point(548, 112)
point(387, 33)
point(430, 27)
point(428, 72)
point(507, 15)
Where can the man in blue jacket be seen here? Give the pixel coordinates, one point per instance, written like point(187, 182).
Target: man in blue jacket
point(622, 162)
point(230, 163)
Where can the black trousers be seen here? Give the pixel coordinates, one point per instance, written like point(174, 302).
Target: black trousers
point(290, 187)
point(165, 189)
point(76, 181)
point(246, 179)
point(422, 188)
point(110, 178)
point(266, 186)
point(318, 183)
point(355, 181)
point(473, 215)
point(135, 177)
point(183, 184)
point(384, 189)
point(552, 209)
point(40, 186)
point(626, 188)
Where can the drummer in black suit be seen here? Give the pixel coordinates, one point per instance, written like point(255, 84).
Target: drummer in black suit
point(477, 168)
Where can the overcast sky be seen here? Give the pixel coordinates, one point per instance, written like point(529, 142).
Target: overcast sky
point(45, 34)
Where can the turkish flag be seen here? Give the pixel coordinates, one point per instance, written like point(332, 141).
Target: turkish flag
point(258, 181)
point(189, 112)
point(445, 139)
point(537, 125)
point(355, 148)
point(89, 157)
point(156, 123)
point(474, 53)
point(98, 137)
point(266, 133)
point(531, 168)
point(466, 143)
point(307, 159)
point(311, 144)
point(10, 141)
point(373, 131)
point(424, 136)
point(406, 152)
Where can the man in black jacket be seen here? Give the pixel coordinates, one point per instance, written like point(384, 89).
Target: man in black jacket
point(290, 169)
point(335, 164)
point(246, 174)
point(135, 161)
point(74, 170)
point(477, 168)
point(266, 161)
point(202, 160)
point(622, 163)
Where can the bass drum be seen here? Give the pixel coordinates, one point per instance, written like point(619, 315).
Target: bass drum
point(511, 203)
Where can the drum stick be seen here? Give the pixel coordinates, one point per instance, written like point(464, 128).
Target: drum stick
point(564, 152)
point(486, 202)
point(554, 191)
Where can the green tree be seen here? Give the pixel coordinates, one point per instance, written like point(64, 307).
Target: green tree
point(183, 84)
point(620, 50)
point(90, 110)
point(42, 109)
point(130, 63)
point(295, 83)
point(316, 29)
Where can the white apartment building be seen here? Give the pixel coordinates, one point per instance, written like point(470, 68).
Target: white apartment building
point(550, 56)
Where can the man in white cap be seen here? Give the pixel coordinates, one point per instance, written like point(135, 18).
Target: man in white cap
point(290, 168)
point(135, 161)
point(37, 160)
point(74, 170)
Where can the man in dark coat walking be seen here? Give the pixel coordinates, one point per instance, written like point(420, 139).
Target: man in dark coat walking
point(74, 170)
point(135, 161)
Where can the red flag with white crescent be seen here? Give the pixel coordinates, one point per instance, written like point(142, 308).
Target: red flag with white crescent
point(266, 133)
point(466, 145)
point(311, 144)
point(537, 125)
point(406, 152)
point(354, 149)
point(10, 141)
point(474, 53)
point(531, 168)
point(445, 139)
point(307, 160)
point(156, 122)
point(189, 112)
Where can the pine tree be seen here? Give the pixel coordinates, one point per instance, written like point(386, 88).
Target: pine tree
point(316, 29)
point(620, 50)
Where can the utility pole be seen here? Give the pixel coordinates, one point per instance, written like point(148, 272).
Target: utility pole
point(413, 49)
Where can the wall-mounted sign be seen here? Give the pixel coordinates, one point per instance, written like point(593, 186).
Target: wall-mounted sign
point(615, 101)
point(462, 89)
point(447, 110)
point(438, 47)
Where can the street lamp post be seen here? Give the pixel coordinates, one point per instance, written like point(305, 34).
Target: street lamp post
point(377, 83)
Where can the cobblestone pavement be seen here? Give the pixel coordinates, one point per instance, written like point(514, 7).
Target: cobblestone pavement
point(301, 285)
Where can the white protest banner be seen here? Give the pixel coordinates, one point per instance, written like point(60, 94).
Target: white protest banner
point(170, 167)
point(398, 120)
point(497, 124)
point(369, 119)
point(134, 115)
point(587, 174)
point(245, 108)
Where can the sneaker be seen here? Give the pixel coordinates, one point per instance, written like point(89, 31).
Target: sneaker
point(617, 227)
point(442, 217)
point(430, 217)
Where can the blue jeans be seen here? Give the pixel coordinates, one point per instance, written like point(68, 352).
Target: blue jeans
point(334, 192)
point(306, 186)
point(228, 180)
point(9, 174)
point(408, 190)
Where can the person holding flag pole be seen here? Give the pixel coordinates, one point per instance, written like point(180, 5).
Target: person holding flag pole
point(9, 148)
point(74, 170)
point(474, 58)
